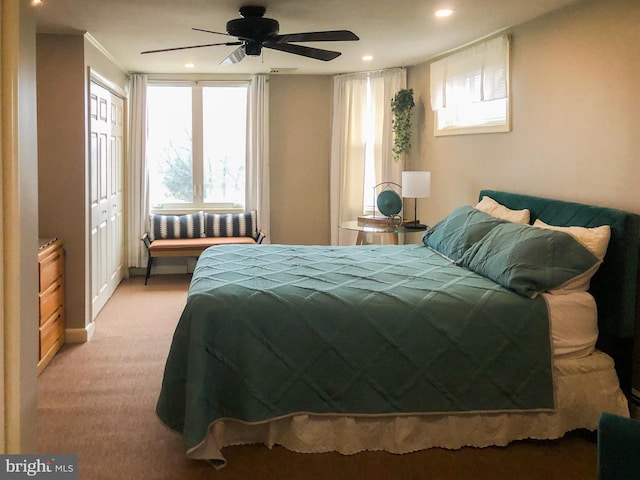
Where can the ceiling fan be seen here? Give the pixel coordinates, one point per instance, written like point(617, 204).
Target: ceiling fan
point(254, 32)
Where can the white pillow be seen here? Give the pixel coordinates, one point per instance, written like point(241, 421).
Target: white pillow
point(595, 239)
point(574, 324)
point(490, 206)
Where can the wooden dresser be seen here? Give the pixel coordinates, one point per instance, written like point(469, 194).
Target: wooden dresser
point(51, 272)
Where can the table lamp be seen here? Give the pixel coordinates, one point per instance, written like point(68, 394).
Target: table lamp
point(416, 185)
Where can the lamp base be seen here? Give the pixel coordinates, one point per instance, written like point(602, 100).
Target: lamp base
point(415, 225)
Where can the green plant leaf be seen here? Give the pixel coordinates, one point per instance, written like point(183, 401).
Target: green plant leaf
point(401, 107)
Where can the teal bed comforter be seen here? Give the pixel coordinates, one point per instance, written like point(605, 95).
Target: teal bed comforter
point(272, 330)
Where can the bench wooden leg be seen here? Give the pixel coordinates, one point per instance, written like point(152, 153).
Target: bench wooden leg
point(148, 269)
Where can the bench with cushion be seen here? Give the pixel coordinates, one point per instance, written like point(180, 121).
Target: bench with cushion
point(190, 234)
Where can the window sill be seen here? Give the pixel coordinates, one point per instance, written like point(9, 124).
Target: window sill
point(187, 210)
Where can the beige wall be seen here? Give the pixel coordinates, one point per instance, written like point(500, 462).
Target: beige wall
point(575, 103)
point(61, 164)
point(19, 316)
point(62, 79)
point(28, 277)
point(299, 156)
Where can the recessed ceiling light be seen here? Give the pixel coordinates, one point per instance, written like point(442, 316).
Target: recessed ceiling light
point(367, 58)
point(36, 2)
point(189, 65)
point(445, 12)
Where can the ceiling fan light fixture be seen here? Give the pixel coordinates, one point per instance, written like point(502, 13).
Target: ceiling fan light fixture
point(235, 56)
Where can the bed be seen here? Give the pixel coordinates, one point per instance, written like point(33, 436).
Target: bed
point(402, 348)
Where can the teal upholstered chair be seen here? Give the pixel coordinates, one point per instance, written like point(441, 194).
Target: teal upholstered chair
point(618, 448)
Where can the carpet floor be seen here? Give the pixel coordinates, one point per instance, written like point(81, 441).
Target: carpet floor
point(97, 400)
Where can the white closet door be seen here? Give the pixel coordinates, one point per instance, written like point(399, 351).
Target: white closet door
point(106, 196)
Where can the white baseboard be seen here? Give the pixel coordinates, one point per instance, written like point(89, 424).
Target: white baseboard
point(79, 335)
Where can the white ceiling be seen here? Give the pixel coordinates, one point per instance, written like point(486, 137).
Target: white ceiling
point(395, 32)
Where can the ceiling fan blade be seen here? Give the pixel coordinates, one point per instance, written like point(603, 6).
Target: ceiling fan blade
point(191, 46)
point(235, 56)
point(328, 36)
point(317, 53)
point(210, 31)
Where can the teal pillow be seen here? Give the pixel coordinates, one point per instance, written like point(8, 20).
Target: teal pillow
point(454, 234)
point(528, 260)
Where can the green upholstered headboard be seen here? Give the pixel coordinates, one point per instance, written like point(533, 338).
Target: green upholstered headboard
point(615, 284)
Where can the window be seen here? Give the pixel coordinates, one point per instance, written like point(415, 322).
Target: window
point(362, 140)
point(481, 117)
point(369, 137)
point(379, 166)
point(470, 89)
point(196, 145)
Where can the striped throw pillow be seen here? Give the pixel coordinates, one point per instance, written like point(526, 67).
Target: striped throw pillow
point(231, 224)
point(176, 226)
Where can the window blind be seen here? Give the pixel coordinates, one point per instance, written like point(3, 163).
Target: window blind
point(476, 74)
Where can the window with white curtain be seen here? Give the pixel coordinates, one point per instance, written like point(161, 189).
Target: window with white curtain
point(470, 89)
point(196, 145)
point(369, 138)
point(362, 142)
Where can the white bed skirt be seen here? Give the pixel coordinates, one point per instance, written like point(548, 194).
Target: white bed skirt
point(584, 388)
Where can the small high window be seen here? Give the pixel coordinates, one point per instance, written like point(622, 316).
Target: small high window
point(470, 89)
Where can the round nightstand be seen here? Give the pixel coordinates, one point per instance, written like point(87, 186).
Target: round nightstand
point(396, 234)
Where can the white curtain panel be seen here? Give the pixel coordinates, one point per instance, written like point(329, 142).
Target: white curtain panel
point(136, 168)
point(257, 179)
point(350, 93)
point(384, 85)
point(476, 74)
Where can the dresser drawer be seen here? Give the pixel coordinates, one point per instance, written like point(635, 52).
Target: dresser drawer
point(51, 268)
point(52, 332)
point(50, 300)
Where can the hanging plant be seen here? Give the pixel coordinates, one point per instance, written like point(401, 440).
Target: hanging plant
point(401, 106)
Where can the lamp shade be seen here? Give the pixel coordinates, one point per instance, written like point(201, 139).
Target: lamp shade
point(416, 184)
